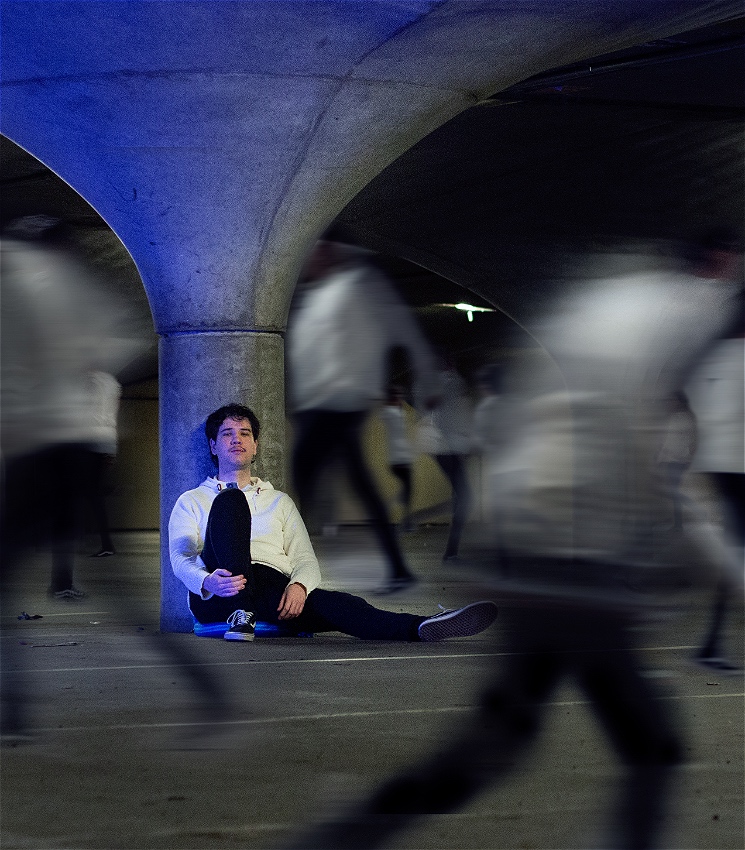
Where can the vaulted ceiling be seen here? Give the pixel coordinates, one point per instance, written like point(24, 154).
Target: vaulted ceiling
point(646, 142)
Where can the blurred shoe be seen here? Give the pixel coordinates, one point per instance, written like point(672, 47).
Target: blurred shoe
point(717, 663)
point(394, 585)
point(68, 593)
point(103, 553)
point(462, 622)
point(242, 626)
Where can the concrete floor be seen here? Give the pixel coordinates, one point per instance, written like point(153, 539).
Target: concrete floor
point(118, 762)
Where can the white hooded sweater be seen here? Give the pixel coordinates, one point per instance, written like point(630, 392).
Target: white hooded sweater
point(279, 538)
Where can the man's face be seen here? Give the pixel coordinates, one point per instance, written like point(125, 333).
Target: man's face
point(235, 446)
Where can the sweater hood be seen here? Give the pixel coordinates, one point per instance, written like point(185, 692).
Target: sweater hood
point(214, 485)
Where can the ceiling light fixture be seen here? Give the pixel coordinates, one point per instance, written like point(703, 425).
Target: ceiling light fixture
point(470, 309)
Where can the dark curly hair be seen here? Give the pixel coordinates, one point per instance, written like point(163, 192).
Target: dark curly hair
point(229, 411)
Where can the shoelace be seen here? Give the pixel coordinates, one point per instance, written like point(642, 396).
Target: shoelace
point(239, 618)
point(443, 610)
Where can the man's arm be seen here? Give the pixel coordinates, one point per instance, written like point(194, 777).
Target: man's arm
point(306, 574)
point(299, 549)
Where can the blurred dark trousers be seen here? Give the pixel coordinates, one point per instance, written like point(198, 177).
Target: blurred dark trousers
point(320, 435)
point(543, 646)
point(731, 487)
point(454, 467)
point(41, 504)
point(228, 546)
point(402, 471)
point(99, 464)
point(44, 496)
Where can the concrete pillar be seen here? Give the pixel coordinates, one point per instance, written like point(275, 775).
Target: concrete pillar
point(199, 372)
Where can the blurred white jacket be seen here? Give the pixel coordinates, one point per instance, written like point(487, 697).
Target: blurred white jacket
point(581, 480)
point(716, 393)
point(400, 450)
point(339, 339)
point(453, 415)
point(58, 326)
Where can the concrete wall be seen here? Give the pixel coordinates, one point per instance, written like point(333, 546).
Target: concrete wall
point(135, 495)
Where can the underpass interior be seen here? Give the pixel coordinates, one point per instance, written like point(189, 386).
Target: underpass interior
point(481, 210)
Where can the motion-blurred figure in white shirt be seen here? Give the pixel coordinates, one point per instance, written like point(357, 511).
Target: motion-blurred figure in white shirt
point(578, 514)
point(339, 339)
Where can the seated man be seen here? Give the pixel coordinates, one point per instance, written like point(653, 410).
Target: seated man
point(242, 550)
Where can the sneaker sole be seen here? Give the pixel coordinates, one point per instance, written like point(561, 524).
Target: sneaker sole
point(465, 622)
point(237, 636)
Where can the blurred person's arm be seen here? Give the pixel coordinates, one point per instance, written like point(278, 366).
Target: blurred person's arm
point(403, 330)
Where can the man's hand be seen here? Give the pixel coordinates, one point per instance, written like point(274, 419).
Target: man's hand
point(292, 602)
point(224, 583)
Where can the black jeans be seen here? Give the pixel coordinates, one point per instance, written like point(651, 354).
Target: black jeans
point(322, 434)
point(228, 545)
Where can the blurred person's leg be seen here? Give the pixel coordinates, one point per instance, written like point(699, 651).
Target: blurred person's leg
point(26, 524)
point(73, 469)
point(486, 747)
point(364, 487)
point(541, 646)
point(454, 467)
point(403, 473)
point(29, 521)
point(731, 489)
point(100, 464)
point(20, 529)
point(636, 722)
point(317, 437)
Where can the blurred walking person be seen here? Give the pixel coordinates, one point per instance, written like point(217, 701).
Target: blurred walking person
point(718, 391)
point(449, 428)
point(339, 339)
point(106, 393)
point(58, 326)
point(400, 450)
point(579, 519)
